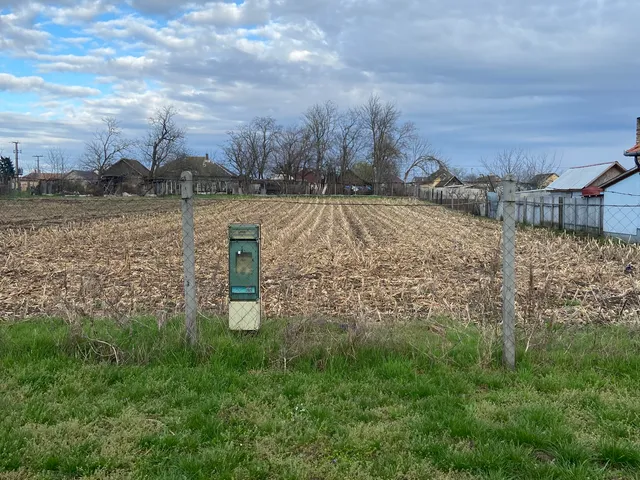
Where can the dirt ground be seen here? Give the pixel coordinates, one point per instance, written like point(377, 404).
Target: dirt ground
point(361, 259)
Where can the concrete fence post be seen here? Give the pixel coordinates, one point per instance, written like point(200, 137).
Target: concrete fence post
point(509, 273)
point(189, 257)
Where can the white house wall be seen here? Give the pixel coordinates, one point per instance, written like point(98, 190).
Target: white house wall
point(622, 208)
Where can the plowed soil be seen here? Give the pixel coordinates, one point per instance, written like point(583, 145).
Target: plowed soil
point(358, 259)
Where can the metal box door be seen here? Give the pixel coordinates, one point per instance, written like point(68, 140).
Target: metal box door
point(244, 270)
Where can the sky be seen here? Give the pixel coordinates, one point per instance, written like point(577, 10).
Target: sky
point(476, 76)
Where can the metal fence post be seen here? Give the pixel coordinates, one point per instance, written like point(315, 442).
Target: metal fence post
point(509, 273)
point(189, 256)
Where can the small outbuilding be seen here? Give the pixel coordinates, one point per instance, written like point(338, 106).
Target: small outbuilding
point(574, 180)
point(125, 176)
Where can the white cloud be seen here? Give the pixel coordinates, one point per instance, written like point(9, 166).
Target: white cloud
point(478, 70)
point(18, 34)
point(299, 55)
point(229, 14)
point(11, 83)
point(81, 13)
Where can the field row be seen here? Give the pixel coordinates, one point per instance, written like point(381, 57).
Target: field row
point(371, 261)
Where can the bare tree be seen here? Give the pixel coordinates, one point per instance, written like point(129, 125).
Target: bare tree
point(349, 140)
point(164, 140)
point(56, 158)
point(293, 153)
point(386, 137)
point(460, 172)
point(238, 158)
point(539, 163)
point(108, 144)
point(266, 133)
point(320, 122)
point(510, 161)
point(252, 150)
point(420, 155)
point(521, 164)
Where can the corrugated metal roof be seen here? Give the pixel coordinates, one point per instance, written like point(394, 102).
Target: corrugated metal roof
point(577, 178)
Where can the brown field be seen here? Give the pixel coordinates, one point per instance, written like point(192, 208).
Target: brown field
point(358, 259)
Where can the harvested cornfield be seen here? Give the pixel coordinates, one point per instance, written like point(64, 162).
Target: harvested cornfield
point(353, 259)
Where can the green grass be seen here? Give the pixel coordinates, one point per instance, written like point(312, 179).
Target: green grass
point(412, 402)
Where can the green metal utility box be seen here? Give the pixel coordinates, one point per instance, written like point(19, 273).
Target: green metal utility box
point(244, 277)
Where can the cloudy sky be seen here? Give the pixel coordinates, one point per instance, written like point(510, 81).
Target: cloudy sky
point(476, 76)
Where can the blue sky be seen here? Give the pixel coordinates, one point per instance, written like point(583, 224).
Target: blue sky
point(476, 76)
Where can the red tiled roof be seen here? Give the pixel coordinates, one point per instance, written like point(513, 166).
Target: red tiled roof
point(309, 177)
point(42, 176)
point(632, 152)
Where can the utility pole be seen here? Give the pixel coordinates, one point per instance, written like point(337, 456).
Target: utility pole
point(17, 166)
point(16, 151)
point(38, 157)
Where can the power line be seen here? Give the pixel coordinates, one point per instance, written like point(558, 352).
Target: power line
point(624, 193)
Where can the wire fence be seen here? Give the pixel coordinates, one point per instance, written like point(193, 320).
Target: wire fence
point(351, 260)
point(73, 184)
point(615, 215)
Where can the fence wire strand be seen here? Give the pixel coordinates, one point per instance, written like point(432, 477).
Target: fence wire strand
point(351, 258)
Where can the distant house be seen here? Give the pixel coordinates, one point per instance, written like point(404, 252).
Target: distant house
point(42, 183)
point(125, 176)
point(442, 177)
point(354, 184)
point(485, 182)
point(541, 181)
point(584, 181)
point(81, 181)
point(208, 177)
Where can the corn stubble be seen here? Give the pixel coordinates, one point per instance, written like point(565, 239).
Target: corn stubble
point(365, 260)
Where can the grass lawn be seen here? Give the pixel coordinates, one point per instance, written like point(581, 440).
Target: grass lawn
point(315, 401)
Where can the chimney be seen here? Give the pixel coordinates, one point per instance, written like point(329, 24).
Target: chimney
point(206, 155)
point(638, 131)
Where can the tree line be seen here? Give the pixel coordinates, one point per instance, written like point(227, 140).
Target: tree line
point(326, 142)
point(369, 140)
